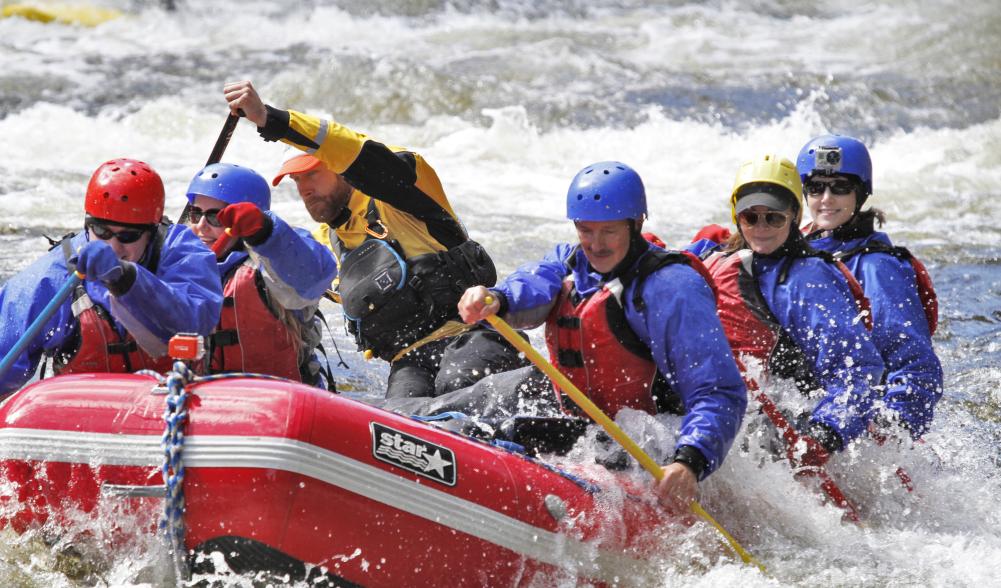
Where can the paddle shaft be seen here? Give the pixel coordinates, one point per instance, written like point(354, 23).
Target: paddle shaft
point(902, 475)
point(222, 243)
point(791, 438)
point(608, 424)
point(36, 326)
point(221, 142)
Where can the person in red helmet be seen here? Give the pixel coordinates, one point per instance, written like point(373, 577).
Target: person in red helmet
point(145, 281)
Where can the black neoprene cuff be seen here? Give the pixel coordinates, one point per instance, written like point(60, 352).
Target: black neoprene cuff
point(502, 300)
point(692, 458)
point(262, 235)
point(124, 283)
point(276, 126)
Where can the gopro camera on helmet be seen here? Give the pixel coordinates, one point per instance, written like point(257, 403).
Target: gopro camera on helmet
point(828, 159)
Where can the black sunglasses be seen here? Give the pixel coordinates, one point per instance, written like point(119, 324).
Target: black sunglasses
point(774, 219)
point(211, 216)
point(124, 237)
point(838, 187)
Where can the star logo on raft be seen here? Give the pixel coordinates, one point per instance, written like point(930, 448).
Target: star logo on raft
point(413, 454)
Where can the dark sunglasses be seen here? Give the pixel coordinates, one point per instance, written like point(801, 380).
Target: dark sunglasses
point(838, 187)
point(774, 219)
point(211, 216)
point(124, 237)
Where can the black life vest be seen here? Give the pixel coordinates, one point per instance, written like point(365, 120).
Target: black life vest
point(391, 302)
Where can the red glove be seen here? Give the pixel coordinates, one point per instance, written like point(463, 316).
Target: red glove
point(244, 219)
point(715, 233)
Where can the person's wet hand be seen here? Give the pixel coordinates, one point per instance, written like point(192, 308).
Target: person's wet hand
point(243, 219)
point(676, 490)
point(97, 259)
point(473, 306)
point(241, 96)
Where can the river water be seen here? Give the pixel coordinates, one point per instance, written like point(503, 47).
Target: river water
point(508, 99)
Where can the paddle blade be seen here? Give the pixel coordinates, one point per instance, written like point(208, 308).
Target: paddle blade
point(88, 16)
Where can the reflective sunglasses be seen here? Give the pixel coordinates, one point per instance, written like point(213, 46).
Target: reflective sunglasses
point(124, 236)
point(838, 187)
point(774, 219)
point(211, 216)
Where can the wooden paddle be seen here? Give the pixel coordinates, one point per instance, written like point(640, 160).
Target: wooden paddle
point(608, 424)
point(221, 142)
point(218, 149)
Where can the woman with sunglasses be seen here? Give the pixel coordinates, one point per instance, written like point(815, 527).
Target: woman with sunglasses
point(145, 282)
point(836, 172)
point(790, 311)
point(272, 275)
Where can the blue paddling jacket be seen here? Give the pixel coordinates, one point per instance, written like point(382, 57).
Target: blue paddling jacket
point(900, 328)
point(806, 299)
point(297, 269)
point(678, 325)
point(182, 296)
point(271, 293)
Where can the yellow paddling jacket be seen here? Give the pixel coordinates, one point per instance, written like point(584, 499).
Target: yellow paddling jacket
point(403, 257)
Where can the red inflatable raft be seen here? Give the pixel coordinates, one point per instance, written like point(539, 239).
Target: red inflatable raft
point(278, 475)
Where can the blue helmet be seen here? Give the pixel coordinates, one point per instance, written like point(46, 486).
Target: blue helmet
point(836, 154)
point(231, 183)
point(606, 191)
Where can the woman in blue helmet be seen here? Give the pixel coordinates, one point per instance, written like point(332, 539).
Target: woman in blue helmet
point(631, 324)
point(273, 276)
point(836, 172)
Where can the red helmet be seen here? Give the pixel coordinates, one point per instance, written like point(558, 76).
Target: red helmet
point(125, 191)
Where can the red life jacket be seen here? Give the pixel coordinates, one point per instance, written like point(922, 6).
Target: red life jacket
point(249, 336)
point(592, 344)
point(101, 348)
point(751, 327)
point(926, 290)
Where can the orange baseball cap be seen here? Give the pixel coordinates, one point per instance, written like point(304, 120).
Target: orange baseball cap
point(295, 162)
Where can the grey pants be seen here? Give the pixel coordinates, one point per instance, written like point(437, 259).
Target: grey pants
point(451, 364)
point(492, 399)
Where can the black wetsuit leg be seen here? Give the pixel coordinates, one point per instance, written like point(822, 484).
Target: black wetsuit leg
point(413, 374)
point(473, 355)
point(492, 399)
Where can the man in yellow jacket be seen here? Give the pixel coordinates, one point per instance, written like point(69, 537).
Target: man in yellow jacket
point(404, 259)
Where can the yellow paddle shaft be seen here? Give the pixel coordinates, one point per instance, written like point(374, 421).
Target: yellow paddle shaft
point(578, 397)
point(599, 416)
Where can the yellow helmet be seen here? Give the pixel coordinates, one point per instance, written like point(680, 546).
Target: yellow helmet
point(770, 169)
